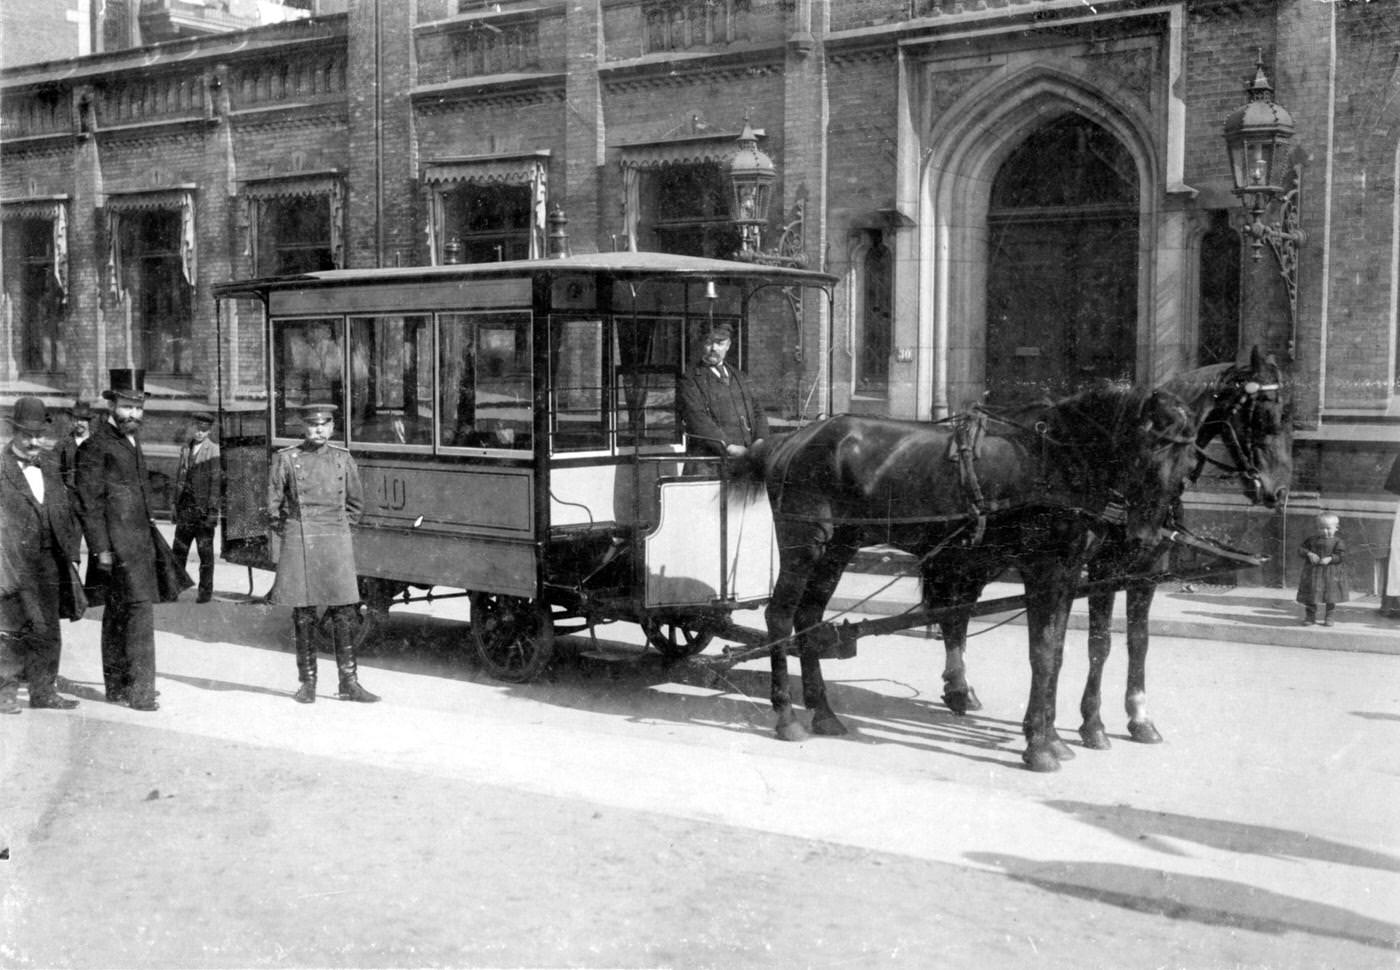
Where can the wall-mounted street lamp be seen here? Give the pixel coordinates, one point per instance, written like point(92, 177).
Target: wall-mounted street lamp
point(751, 178)
point(1257, 138)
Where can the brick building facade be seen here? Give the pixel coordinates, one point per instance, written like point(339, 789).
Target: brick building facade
point(1016, 194)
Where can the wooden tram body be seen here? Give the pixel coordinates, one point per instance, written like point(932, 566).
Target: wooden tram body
point(516, 430)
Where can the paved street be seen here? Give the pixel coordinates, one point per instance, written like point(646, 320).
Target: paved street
point(612, 816)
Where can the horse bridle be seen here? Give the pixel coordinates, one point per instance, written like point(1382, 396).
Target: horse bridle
point(1239, 395)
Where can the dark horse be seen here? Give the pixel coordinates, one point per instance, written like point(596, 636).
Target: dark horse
point(1034, 488)
point(1244, 407)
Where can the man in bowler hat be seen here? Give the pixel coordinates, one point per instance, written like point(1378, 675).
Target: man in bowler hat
point(39, 542)
point(719, 411)
point(313, 498)
point(198, 488)
point(79, 430)
point(114, 506)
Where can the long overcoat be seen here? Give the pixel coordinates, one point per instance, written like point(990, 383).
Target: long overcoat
point(24, 521)
point(313, 498)
point(114, 508)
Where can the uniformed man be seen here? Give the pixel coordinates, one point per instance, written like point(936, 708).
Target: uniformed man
point(313, 498)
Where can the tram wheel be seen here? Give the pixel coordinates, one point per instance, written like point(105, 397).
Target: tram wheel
point(514, 636)
point(675, 641)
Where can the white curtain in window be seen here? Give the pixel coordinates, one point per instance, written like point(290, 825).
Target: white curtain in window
point(442, 176)
point(55, 210)
point(180, 200)
point(301, 185)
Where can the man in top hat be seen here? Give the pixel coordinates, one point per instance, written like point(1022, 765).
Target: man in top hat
point(114, 506)
point(719, 412)
point(79, 430)
point(313, 498)
point(39, 542)
point(198, 488)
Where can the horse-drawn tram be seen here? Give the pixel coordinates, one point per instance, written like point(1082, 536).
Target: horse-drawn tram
point(517, 434)
point(517, 430)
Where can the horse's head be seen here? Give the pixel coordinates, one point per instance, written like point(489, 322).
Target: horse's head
point(1252, 417)
point(1130, 446)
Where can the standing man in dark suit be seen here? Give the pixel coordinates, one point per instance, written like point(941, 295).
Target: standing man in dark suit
point(719, 412)
point(78, 432)
point(114, 506)
point(198, 489)
point(36, 528)
point(313, 498)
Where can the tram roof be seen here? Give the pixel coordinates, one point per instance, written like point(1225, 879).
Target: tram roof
point(624, 265)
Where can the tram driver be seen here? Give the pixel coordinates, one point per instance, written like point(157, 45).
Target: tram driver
point(719, 411)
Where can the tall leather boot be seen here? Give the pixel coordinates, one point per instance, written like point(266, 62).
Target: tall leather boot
point(303, 619)
point(350, 689)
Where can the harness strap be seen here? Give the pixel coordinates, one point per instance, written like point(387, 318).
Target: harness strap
point(965, 448)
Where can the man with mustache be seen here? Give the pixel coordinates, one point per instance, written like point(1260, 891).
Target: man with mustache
point(114, 506)
point(719, 411)
point(37, 543)
point(78, 432)
point(313, 498)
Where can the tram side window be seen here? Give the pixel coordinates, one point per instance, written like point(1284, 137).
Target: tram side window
point(391, 380)
point(577, 421)
point(648, 354)
point(485, 391)
point(308, 360)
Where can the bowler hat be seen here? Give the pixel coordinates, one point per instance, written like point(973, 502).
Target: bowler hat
point(315, 413)
point(30, 415)
point(81, 410)
point(128, 384)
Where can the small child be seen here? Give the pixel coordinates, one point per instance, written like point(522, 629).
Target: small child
point(1324, 578)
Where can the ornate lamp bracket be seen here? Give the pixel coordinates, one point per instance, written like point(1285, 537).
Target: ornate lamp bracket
point(1283, 236)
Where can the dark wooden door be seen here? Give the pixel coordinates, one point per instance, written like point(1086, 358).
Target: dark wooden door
point(1062, 264)
point(1061, 304)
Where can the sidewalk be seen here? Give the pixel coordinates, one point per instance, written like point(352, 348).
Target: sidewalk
point(1235, 614)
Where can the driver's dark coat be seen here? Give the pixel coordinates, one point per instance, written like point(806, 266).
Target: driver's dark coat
point(716, 414)
point(313, 498)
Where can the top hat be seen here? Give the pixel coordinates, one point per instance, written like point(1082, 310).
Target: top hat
point(30, 416)
point(81, 410)
point(720, 329)
point(316, 413)
point(127, 385)
point(202, 417)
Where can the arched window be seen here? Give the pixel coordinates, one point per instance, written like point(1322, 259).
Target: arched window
point(1218, 314)
point(877, 297)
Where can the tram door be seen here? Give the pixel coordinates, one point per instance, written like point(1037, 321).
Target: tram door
point(1062, 265)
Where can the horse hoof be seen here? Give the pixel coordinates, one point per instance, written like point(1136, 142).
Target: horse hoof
point(959, 701)
point(1061, 750)
point(1144, 732)
point(1041, 759)
point(791, 731)
point(1095, 739)
point(830, 727)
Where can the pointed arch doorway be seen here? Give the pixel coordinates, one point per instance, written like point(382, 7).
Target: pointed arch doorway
point(1062, 264)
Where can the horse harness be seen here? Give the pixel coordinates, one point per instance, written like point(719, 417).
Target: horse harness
point(1239, 395)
